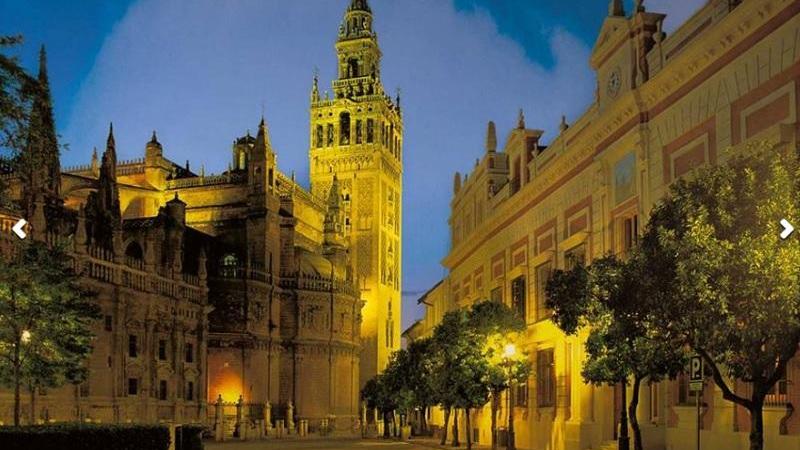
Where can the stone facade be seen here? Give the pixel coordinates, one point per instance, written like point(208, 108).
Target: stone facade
point(239, 287)
point(664, 105)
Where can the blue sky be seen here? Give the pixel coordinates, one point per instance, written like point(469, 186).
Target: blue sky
point(201, 72)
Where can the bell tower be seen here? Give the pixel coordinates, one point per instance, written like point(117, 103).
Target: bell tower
point(356, 137)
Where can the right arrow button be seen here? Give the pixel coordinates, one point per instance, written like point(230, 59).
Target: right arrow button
point(787, 229)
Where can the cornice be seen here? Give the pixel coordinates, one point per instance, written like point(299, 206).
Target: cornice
point(722, 43)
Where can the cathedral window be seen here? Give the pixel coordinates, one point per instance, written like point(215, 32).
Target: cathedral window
point(318, 137)
point(189, 352)
point(329, 142)
point(133, 348)
point(344, 128)
point(162, 390)
point(134, 251)
point(370, 131)
point(190, 391)
point(162, 349)
point(359, 135)
point(230, 265)
point(133, 386)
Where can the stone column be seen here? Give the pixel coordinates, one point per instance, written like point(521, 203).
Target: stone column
point(219, 420)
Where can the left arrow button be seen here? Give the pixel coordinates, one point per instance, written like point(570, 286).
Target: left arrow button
point(18, 228)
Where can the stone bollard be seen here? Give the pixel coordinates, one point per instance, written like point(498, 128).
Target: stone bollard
point(219, 421)
point(240, 424)
point(268, 419)
point(363, 423)
point(279, 428)
point(289, 418)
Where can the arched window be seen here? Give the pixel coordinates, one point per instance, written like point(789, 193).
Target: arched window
point(318, 137)
point(344, 128)
point(134, 250)
point(352, 67)
point(229, 265)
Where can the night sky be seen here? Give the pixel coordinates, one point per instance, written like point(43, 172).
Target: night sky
point(201, 72)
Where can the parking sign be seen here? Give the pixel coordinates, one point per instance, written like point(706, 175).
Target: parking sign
point(696, 374)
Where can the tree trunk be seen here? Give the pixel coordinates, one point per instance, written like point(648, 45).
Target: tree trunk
point(469, 428)
point(386, 416)
point(757, 424)
point(446, 423)
point(32, 415)
point(632, 413)
point(495, 406)
point(423, 422)
point(624, 441)
point(455, 442)
point(17, 382)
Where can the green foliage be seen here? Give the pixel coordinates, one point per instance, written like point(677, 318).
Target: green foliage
point(45, 319)
point(16, 89)
point(735, 290)
point(85, 437)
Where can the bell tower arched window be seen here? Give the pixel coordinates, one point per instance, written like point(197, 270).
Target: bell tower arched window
point(352, 68)
point(344, 128)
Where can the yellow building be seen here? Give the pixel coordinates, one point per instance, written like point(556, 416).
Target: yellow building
point(664, 105)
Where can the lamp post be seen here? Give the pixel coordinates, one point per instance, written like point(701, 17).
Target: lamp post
point(508, 353)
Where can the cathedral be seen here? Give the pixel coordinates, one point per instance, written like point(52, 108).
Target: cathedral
point(240, 295)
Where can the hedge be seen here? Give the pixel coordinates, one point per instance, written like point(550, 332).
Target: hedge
point(85, 437)
point(191, 437)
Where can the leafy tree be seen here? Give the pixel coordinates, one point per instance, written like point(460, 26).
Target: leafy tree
point(450, 342)
point(16, 88)
point(498, 325)
point(45, 321)
point(378, 393)
point(735, 291)
point(420, 376)
point(612, 298)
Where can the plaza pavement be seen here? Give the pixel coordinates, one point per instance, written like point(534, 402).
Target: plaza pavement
point(331, 444)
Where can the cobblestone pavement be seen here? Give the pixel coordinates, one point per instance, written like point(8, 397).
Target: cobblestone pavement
point(316, 444)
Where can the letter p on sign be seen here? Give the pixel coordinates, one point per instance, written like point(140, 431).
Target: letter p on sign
point(696, 369)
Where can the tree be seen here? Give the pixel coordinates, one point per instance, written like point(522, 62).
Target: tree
point(450, 339)
point(45, 321)
point(420, 376)
point(16, 88)
point(625, 345)
point(378, 393)
point(735, 296)
point(498, 326)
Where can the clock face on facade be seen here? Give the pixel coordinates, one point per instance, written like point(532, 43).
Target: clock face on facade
point(614, 83)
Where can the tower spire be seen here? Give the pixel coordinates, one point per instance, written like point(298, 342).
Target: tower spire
point(616, 9)
point(41, 171)
point(315, 87)
point(491, 138)
point(521, 119)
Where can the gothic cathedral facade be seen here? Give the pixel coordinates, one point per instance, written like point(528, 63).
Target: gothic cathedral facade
point(237, 299)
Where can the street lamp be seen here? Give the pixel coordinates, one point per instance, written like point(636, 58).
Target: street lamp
point(26, 336)
point(509, 351)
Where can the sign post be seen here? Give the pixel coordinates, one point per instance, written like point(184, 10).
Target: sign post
point(696, 386)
